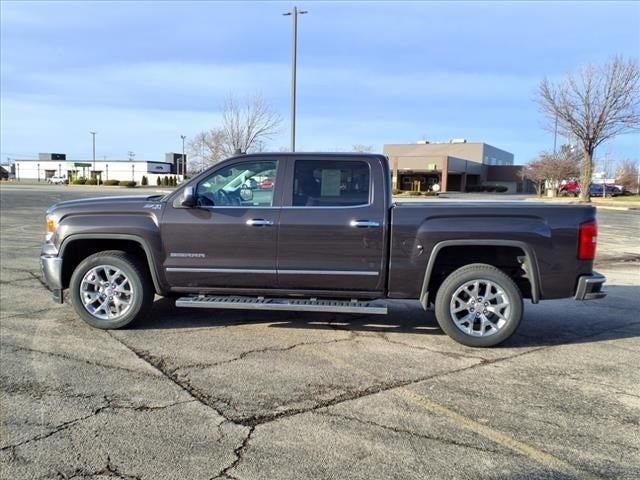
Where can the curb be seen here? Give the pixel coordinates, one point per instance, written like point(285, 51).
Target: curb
point(607, 207)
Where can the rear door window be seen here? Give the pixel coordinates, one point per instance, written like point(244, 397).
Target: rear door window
point(322, 183)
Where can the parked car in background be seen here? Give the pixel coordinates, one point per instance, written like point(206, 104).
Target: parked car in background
point(596, 190)
point(570, 189)
point(58, 180)
point(266, 184)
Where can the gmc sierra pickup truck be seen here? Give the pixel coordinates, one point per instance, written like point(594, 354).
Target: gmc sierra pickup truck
point(317, 232)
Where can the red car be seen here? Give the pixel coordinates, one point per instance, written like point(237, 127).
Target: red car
point(266, 184)
point(570, 189)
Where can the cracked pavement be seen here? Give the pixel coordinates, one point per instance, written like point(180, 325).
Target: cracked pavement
point(246, 395)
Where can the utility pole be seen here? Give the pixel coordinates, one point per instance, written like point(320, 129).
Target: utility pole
point(184, 163)
point(604, 180)
point(555, 135)
point(93, 135)
point(294, 59)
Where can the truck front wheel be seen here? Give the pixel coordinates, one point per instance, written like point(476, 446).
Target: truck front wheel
point(478, 305)
point(111, 289)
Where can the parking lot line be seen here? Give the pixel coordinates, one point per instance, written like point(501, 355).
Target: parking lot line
point(460, 420)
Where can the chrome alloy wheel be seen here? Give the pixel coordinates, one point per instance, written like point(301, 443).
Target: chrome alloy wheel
point(106, 292)
point(480, 308)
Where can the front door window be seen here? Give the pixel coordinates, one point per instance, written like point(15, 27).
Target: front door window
point(247, 184)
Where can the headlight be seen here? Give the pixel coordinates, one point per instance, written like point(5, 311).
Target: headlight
point(52, 224)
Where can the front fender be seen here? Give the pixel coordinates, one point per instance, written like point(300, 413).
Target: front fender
point(141, 229)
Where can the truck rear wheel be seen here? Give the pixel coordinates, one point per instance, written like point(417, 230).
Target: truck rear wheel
point(478, 305)
point(111, 289)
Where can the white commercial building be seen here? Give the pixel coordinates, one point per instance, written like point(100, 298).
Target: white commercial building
point(124, 170)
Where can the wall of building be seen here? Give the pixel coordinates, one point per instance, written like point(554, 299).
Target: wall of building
point(495, 156)
point(468, 151)
point(456, 164)
point(108, 170)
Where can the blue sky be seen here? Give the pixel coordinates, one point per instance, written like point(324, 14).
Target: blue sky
point(143, 73)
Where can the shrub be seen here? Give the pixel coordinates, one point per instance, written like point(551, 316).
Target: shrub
point(91, 181)
point(79, 181)
point(165, 181)
point(415, 193)
point(431, 194)
point(397, 191)
point(487, 188)
point(144, 180)
point(158, 181)
point(128, 184)
point(112, 183)
point(175, 181)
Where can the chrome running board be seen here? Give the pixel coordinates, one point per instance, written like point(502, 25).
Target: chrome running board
point(287, 304)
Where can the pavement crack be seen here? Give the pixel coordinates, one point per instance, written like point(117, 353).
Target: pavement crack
point(403, 431)
point(239, 452)
point(72, 358)
point(39, 278)
point(261, 350)
point(108, 405)
point(25, 314)
point(160, 365)
point(458, 356)
point(356, 394)
point(63, 426)
point(110, 470)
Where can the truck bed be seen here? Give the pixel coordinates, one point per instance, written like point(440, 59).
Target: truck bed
point(421, 229)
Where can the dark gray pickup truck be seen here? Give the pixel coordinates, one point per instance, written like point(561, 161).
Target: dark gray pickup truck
point(317, 232)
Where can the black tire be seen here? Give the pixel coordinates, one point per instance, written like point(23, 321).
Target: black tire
point(134, 270)
point(478, 271)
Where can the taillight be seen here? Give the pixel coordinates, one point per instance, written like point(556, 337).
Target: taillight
point(587, 240)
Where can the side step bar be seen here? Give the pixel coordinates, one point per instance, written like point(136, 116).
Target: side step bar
point(288, 304)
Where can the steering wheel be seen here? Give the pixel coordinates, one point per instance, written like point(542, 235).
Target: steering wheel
point(223, 198)
point(219, 198)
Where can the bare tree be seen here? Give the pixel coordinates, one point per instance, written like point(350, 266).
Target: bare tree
point(534, 171)
point(248, 124)
point(627, 175)
point(205, 149)
point(594, 105)
point(550, 169)
point(362, 148)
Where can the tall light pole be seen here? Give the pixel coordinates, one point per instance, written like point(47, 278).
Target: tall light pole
point(93, 135)
point(184, 164)
point(294, 59)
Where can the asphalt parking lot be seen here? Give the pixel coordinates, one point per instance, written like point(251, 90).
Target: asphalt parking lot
point(245, 395)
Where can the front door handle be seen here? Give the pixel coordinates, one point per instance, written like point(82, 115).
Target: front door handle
point(259, 222)
point(364, 224)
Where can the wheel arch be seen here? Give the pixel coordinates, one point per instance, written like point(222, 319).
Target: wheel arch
point(148, 255)
point(530, 263)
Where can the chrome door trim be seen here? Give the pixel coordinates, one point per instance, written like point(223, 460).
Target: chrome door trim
point(328, 272)
point(218, 270)
point(271, 272)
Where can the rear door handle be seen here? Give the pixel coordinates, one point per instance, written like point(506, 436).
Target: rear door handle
point(259, 222)
point(364, 224)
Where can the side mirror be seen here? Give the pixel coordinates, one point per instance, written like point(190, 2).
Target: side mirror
point(246, 194)
point(188, 198)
